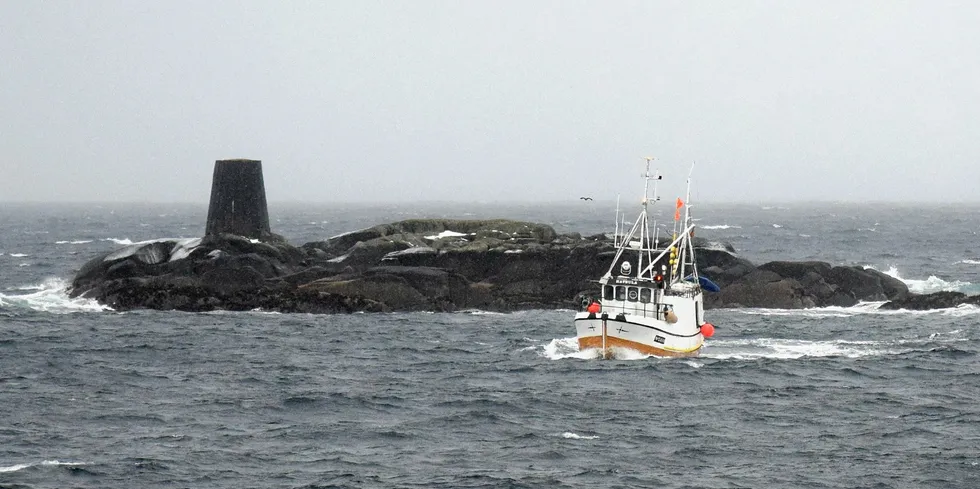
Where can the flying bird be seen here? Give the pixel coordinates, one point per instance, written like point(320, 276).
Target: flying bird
point(586, 198)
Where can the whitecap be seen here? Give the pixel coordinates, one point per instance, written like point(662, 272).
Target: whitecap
point(15, 468)
point(19, 255)
point(961, 310)
point(720, 226)
point(790, 349)
point(124, 241)
point(576, 436)
point(969, 262)
point(816, 312)
point(777, 226)
point(929, 285)
point(560, 348)
point(935, 284)
point(479, 312)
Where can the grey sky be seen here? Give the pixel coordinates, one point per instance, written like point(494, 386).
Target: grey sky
point(352, 101)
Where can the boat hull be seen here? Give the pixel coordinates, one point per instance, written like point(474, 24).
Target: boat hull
point(644, 335)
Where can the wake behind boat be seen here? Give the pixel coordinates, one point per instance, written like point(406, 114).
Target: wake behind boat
point(652, 296)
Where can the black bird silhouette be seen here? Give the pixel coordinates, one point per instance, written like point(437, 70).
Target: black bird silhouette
point(586, 198)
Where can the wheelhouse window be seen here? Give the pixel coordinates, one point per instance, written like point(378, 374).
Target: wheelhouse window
point(645, 295)
point(607, 292)
point(620, 293)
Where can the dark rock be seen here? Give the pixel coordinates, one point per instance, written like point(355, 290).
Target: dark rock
point(410, 265)
point(935, 300)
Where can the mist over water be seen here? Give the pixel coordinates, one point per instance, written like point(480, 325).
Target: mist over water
point(830, 397)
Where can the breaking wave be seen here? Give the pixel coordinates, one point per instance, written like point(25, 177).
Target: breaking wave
point(48, 296)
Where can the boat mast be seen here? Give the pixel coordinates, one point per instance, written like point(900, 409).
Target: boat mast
point(646, 240)
point(689, 228)
point(616, 225)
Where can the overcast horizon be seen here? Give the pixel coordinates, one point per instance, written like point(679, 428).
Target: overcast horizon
point(523, 102)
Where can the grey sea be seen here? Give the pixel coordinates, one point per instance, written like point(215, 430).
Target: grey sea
point(819, 398)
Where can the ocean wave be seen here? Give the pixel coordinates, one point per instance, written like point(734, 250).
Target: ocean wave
point(15, 468)
point(862, 308)
point(968, 262)
point(790, 349)
point(480, 312)
point(78, 241)
point(576, 436)
point(819, 312)
point(720, 226)
point(51, 296)
point(929, 285)
point(560, 348)
point(123, 241)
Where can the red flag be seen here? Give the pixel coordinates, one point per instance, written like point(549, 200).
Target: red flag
point(677, 212)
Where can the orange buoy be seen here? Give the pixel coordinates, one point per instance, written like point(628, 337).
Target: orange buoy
point(594, 308)
point(707, 330)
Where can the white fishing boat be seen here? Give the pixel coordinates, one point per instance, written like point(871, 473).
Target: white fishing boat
point(651, 297)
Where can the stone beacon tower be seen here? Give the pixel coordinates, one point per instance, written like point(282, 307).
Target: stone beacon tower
point(238, 204)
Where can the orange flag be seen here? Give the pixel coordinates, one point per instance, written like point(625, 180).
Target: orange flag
point(677, 212)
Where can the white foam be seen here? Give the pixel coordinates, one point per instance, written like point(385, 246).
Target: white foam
point(479, 312)
point(969, 262)
point(446, 234)
point(934, 284)
point(15, 468)
point(19, 255)
point(721, 226)
point(961, 310)
point(819, 312)
point(78, 241)
point(929, 285)
point(871, 308)
point(576, 436)
point(789, 349)
point(560, 348)
point(124, 241)
point(777, 226)
point(52, 296)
